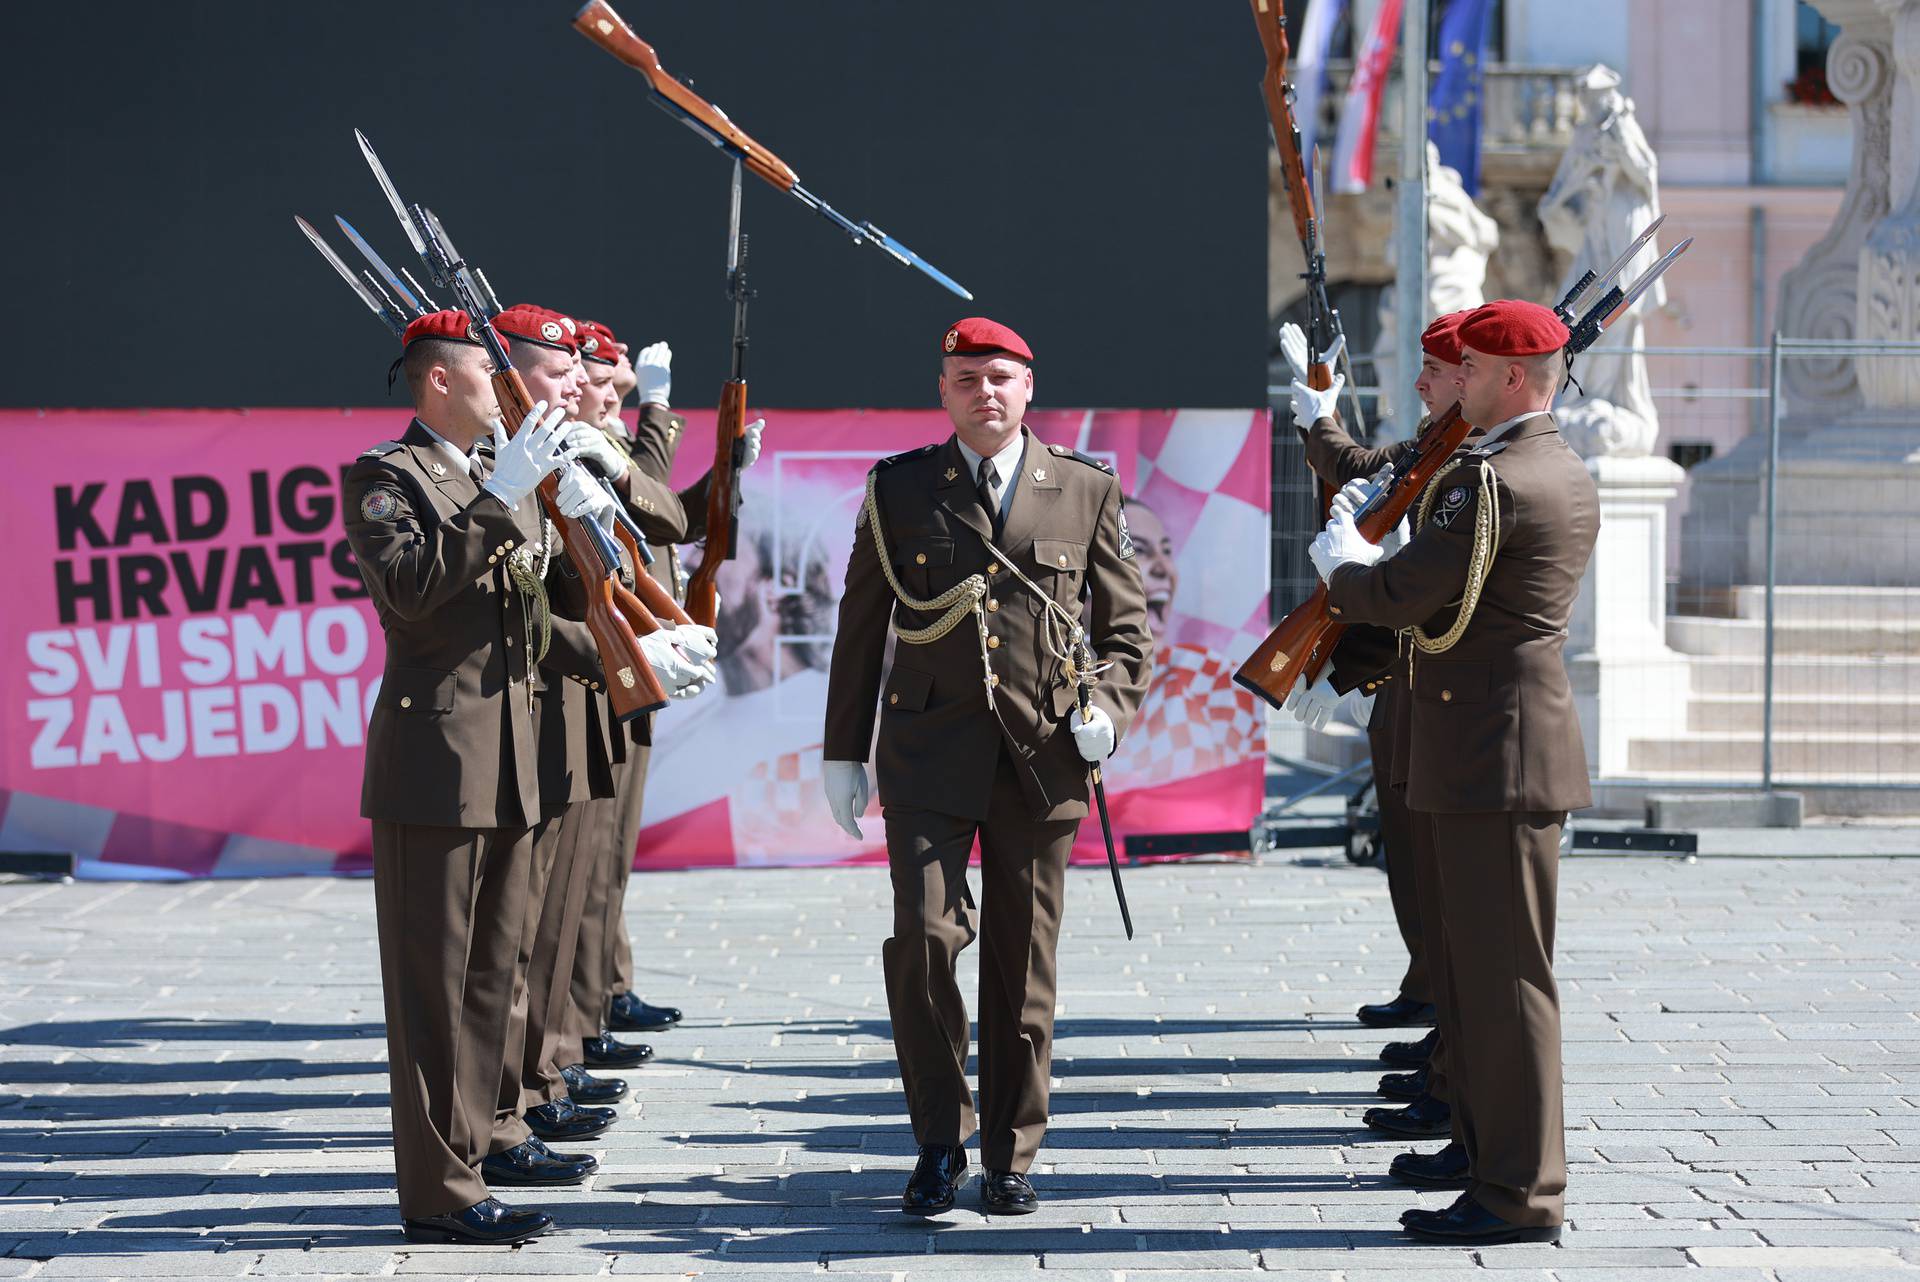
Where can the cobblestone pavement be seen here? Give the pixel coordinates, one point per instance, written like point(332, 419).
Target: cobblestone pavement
point(192, 1083)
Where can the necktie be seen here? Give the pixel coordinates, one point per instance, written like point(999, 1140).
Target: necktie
point(480, 465)
point(989, 492)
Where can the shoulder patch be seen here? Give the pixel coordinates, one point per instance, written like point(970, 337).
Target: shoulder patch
point(892, 459)
point(1097, 464)
point(1126, 537)
point(379, 505)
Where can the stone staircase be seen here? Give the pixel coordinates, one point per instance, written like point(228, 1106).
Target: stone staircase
point(1846, 696)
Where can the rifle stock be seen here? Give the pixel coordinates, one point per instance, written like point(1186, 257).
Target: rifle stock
point(1304, 641)
point(612, 611)
point(703, 596)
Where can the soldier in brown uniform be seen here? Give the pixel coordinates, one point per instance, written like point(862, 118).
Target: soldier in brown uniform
point(1365, 664)
point(1495, 761)
point(451, 547)
point(603, 962)
point(980, 736)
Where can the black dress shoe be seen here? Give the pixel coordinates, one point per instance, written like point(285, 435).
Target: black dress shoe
point(535, 1163)
point(1007, 1193)
point(604, 1052)
point(935, 1179)
point(584, 1088)
point(1423, 1119)
point(1467, 1223)
point(488, 1223)
point(1446, 1169)
point(566, 1121)
point(1401, 1012)
point(1410, 1054)
point(1407, 1086)
point(631, 1015)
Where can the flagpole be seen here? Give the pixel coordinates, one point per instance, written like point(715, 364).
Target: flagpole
point(1410, 224)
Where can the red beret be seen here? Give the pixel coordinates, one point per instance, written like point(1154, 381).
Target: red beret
point(452, 324)
point(525, 323)
point(597, 343)
point(976, 335)
point(1509, 327)
point(1441, 340)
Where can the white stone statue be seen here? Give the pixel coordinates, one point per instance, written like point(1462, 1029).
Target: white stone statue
point(1604, 194)
point(1460, 240)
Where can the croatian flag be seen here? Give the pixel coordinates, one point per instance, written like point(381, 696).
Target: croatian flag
point(1360, 114)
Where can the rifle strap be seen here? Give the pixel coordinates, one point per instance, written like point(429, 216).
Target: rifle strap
point(1486, 544)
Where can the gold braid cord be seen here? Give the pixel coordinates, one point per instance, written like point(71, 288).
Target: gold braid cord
point(1063, 636)
point(1486, 544)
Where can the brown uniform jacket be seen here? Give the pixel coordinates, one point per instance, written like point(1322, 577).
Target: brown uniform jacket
point(939, 740)
point(452, 741)
point(1493, 725)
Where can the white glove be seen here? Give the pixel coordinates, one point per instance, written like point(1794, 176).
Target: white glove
point(1352, 495)
point(668, 664)
point(590, 445)
point(1339, 544)
point(1310, 406)
point(653, 366)
point(846, 783)
point(1396, 538)
point(751, 452)
point(522, 461)
point(582, 496)
point(702, 646)
point(1293, 346)
point(1312, 706)
point(1094, 734)
point(1358, 706)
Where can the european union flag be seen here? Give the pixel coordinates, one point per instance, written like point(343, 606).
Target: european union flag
point(1453, 108)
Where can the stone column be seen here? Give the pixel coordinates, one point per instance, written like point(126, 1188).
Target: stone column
point(1627, 683)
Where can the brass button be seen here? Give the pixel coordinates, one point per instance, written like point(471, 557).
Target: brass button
point(494, 559)
point(893, 698)
point(406, 701)
point(1333, 609)
point(994, 680)
point(992, 606)
point(1446, 696)
point(993, 567)
point(1063, 558)
point(919, 558)
point(509, 638)
point(993, 643)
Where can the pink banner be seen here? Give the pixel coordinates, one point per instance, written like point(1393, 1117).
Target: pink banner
point(191, 657)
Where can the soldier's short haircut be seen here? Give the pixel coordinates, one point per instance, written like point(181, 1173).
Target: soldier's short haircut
point(422, 355)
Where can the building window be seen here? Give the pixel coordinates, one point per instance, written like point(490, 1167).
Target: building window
point(1813, 35)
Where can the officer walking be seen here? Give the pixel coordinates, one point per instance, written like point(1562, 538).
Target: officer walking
point(1003, 567)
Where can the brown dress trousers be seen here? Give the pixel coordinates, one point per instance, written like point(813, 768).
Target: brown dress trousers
point(950, 769)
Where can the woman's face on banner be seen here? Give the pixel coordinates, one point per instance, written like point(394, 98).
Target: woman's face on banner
point(1153, 552)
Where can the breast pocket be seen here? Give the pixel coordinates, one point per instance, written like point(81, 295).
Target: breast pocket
point(1060, 566)
point(924, 563)
point(418, 691)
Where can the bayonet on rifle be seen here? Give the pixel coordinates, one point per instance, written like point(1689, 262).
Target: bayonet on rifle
point(1570, 305)
point(390, 316)
point(598, 22)
point(379, 265)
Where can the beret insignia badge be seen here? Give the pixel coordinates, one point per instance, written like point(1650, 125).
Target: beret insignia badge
point(551, 331)
point(952, 340)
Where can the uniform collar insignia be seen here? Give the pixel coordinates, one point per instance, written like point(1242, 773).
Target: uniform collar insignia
point(439, 469)
point(953, 474)
point(1039, 473)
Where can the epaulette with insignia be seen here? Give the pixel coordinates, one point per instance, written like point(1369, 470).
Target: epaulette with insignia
point(1488, 451)
point(891, 459)
point(383, 449)
point(1066, 452)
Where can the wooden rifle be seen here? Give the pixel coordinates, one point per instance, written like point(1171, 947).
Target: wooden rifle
point(1304, 641)
point(729, 436)
point(1324, 335)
